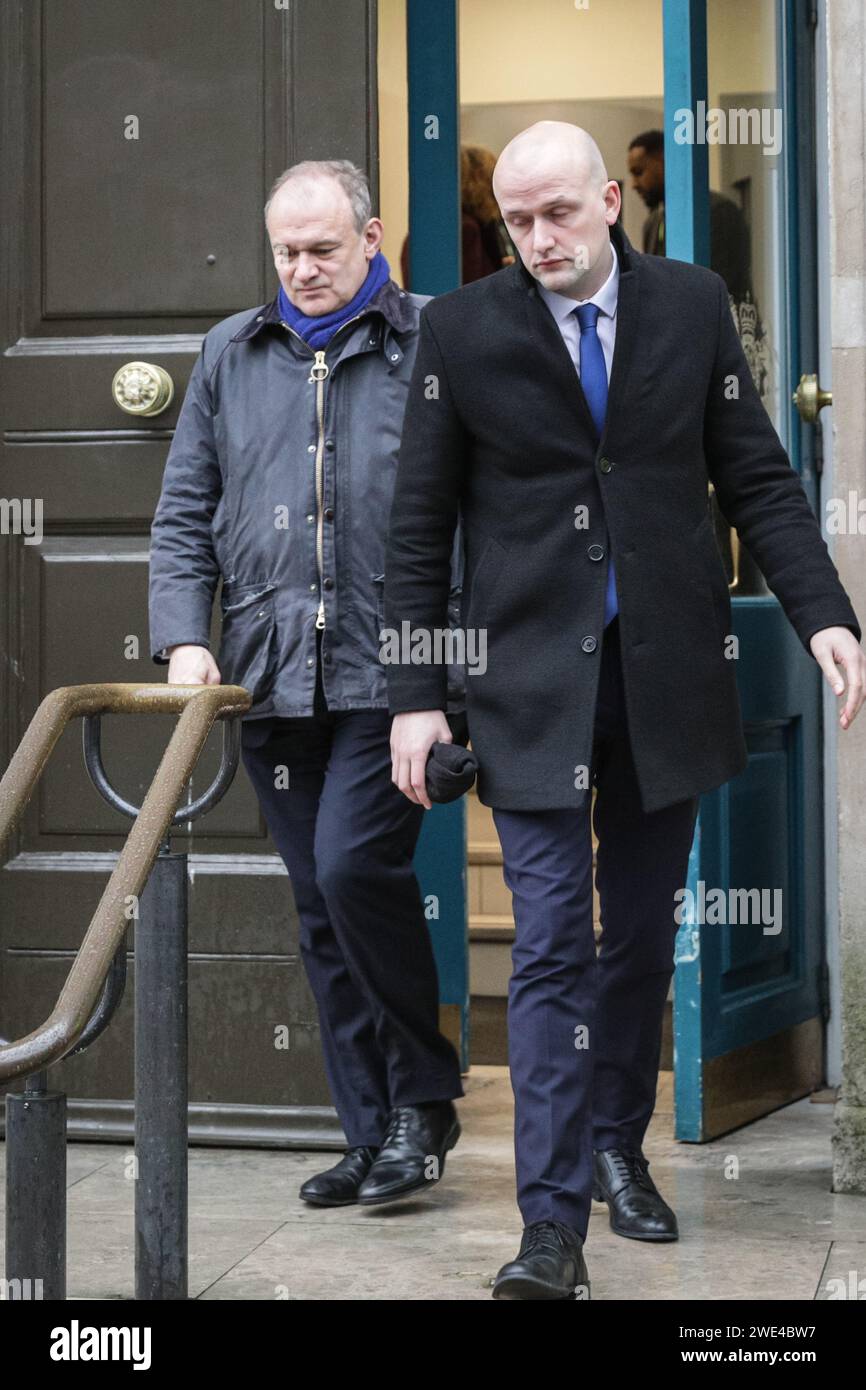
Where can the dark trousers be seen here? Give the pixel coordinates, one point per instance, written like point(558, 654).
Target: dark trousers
point(347, 837)
point(584, 1032)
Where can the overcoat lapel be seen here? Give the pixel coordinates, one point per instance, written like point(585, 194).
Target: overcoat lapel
point(623, 348)
point(564, 381)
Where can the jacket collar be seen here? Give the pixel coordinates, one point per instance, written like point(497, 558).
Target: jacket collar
point(626, 255)
point(391, 302)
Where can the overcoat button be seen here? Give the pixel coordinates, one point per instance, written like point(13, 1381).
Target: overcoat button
point(605, 465)
point(589, 644)
point(328, 582)
point(596, 552)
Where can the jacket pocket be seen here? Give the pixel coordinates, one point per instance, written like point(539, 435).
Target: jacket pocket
point(379, 581)
point(483, 583)
point(247, 653)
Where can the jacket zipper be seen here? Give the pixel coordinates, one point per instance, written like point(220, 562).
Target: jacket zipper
point(318, 372)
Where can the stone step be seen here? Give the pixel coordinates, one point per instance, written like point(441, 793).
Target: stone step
point(491, 926)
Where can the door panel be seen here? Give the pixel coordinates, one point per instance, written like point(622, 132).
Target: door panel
point(113, 86)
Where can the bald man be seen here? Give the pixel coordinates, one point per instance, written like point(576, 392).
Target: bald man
point(573, 409)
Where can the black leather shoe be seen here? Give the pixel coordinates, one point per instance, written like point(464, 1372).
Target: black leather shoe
point(338, 1186)
point(412, 1156)
point(637, 1208)
point(549, 1265)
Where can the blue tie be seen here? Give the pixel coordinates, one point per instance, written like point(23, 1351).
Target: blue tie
point(593, 379)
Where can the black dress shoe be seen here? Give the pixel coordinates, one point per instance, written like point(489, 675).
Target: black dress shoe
point(549, 1265)
point(338, 1186)
point(637, 1208)
point(412, 1156)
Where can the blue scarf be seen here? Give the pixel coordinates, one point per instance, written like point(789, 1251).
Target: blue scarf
point(318, 329)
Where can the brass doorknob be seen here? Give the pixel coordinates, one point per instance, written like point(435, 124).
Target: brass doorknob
point(140, 388)
point(809, 399)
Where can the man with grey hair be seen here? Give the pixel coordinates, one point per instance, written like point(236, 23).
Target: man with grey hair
point(279, 482)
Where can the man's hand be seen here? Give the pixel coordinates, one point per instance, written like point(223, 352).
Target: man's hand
point(190, 665)
point(833, 647)
point(412, 737)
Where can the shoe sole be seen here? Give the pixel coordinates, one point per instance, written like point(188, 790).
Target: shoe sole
point(664, 1236)
point(424, 1185)
point(328, 1202)
point(520, 1287)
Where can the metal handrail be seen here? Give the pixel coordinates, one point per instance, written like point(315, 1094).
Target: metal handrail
point(198, 706)
point(113, 989)
point(191, 810)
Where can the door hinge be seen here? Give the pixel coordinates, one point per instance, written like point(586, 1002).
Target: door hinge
point(824, 990)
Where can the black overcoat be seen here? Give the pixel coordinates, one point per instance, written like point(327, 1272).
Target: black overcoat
point(497, 427)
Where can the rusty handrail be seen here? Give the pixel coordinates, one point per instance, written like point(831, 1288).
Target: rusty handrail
point(198, 706)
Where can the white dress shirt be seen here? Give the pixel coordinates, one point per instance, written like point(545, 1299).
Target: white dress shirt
point(563, 310)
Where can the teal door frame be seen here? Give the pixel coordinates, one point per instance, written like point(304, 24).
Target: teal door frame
point(434, 267)
point(687, 200)
point(740, 1004)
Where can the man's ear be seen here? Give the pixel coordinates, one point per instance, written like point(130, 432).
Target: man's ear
point(373, 234)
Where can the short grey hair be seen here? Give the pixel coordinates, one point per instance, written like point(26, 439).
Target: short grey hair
point(351, 179)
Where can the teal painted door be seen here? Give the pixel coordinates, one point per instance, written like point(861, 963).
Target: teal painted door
point(748, 990)
point(434, 251)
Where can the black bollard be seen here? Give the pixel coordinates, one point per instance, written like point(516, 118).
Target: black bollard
point(161, 1089)
point(36, 1192)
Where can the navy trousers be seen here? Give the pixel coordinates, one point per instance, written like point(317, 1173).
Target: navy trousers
point(347, 837)
point(584, 1031)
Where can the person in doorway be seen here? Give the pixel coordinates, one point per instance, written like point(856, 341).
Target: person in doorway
point(573, 409)
point(730, 251)
point(485, 244)
point(279, 480)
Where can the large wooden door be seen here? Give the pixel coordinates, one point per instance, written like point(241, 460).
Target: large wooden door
point(139, 142)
